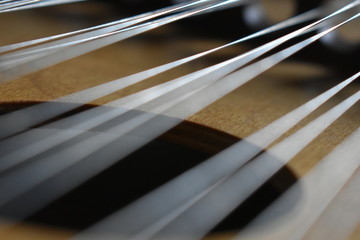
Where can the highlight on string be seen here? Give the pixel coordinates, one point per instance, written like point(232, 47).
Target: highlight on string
point(16, 5)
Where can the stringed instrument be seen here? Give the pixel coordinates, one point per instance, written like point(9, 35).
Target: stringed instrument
point(112, 162)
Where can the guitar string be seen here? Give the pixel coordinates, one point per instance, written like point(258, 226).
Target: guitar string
point(199, 179)
point(48, 48)
point(16, 69)
point(225, 163)
point(27, 202)
point(155, 13)
point(5, 1)
point(201, 217)
point(13, 6)
point(40, 4)
point(328, 177)
point(5, 6)
point(20, 152)
point(14, 152)
point(29, 55)
point(97, 30)
point(38, 114)
point(29, 4)
point(341, 208)
point(44, 111)
point(335, 181)
point(191, 184)
point(186, 220)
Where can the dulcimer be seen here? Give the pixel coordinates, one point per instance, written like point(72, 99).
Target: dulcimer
point(179, 119)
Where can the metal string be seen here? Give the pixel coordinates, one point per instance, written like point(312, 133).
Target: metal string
point(13, 69)
point(29, 4)
point(51, 166)
point(207, 212)
point(134, 19)
point(341, 208)
point(45, 111)
point(320, 186)
point(92, 118)
point(201, 179)
point(207, 191)
point(306, 136)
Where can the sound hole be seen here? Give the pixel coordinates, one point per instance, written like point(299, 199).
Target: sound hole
point(181, 148)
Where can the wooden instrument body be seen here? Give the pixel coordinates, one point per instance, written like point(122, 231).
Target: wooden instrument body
point(242, 112)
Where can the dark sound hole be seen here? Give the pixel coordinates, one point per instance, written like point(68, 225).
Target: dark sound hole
point(161, 160)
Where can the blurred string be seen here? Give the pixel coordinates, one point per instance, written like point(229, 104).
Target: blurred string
point(102, 28)
point(189, 193)
point(187, 100)
point(61, 52)
point(320, 187)
point(247, 74)
point(15, 152)
point(10, 6)
point(44, 111)
point(342, 208)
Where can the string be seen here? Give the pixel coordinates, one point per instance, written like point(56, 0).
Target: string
point(341, 208)
point(205, 214)
point(134, 19)
point(44, 111)
point(230, 82)
point(202, 217)
point(209, 190)
point(6, 6)
point(95, 31)
point(207, 175)
point(50, 167)
point(326, 116)
point(192, 182)
point(9, 6)
point(21, 67)
point(36, 114)
point(328, 177)
point(92, 118)
point(15, 58)
point(40, 4)
point(6, 1)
